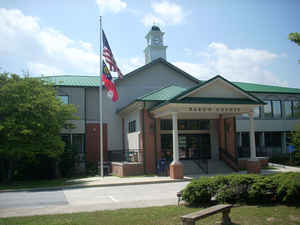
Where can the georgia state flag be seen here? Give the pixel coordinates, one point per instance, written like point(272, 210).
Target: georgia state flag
point(109, 84)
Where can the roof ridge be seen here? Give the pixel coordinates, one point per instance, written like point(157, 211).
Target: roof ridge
point(69, 76)
point(264, 85)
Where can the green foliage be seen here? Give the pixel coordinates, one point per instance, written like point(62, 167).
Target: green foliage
point(295, 139)
point(235, 188)
point(67, 161)
point(91, 168)
point(31, 118)
point(198, 191)
point(295, 37)
point(263, 190)
point(244, 188)
point(288, 187)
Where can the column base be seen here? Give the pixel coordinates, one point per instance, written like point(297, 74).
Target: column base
point(176, 170)
point(253, 166)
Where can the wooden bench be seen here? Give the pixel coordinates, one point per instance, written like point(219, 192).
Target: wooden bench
point(191, 218)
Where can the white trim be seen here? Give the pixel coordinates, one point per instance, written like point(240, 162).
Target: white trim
point(211, 82)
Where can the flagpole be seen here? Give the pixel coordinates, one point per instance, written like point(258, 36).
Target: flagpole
point(100, 104)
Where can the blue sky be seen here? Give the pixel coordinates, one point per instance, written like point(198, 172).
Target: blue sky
point(240, 40)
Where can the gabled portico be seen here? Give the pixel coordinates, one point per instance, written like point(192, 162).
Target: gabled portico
point(215, 100)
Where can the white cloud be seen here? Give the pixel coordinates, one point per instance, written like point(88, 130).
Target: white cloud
point(150, 19)
point(164, 13)
point(131, 64)
point(245, 65)
point(114, 6)
point(42, 50)
point(36, 68)
point(170, 12)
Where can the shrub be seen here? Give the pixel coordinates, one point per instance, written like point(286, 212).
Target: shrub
point(91, 168)
point(263, 190)
point(198, 191)
point(288, 187)
point(235, 189)
point(67, 161)
point(245, 188)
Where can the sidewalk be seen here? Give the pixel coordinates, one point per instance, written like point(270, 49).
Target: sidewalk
point(98, 181)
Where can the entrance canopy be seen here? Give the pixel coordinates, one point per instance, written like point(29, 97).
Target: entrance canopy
point(211, 99)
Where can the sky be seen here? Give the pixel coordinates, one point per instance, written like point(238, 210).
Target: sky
point(243, 41)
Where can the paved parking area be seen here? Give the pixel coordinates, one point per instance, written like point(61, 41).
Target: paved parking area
point(88, 199)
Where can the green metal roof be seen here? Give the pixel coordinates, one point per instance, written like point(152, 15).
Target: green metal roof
point(250, 87)
point(162, 94)
point(73, 80)
point(93, 81)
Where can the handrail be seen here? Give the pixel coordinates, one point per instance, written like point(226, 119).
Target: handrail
point(202, 163)
point(244, 152)
point(234, 161)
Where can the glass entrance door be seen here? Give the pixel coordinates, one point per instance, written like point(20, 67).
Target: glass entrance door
point(191, 146)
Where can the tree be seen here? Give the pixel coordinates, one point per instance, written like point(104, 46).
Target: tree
point(295, 141)
point(295, 37)
point(31, 117)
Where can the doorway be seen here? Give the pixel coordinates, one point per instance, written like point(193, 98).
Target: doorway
point(191, 146)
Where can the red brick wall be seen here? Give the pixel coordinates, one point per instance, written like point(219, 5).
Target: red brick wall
point(243, 162)
point(149, 143)
point(92, 145)
point(127, 169)
point(221, 133)
point(158, 139)
point(230, 136)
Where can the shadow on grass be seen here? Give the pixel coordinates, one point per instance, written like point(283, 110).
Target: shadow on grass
point(39, 185)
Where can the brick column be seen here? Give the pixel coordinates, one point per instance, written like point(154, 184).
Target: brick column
point(158, 140)
point(149, 146)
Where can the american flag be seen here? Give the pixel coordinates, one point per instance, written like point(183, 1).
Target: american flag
point(109, 58)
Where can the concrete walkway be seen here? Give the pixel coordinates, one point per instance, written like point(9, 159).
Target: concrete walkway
point(98, 181)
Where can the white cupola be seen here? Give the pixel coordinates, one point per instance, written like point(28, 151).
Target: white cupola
point(155, 48)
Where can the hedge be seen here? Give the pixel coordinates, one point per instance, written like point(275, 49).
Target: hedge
point(248, 188)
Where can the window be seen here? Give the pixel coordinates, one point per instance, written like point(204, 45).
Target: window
point(272, 109)
point(74, 141)
point(288, 106)
point(256, 112)
point(276, 109)
point(268, 109)
point(64, 98)
point(296, 109)
point(273, 139)
point(166, 124)
point(78, 142)
point(131, 126)
point(245, 139)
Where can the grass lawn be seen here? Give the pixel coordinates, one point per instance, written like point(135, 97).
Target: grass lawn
point(38, 184)
point(168, 215)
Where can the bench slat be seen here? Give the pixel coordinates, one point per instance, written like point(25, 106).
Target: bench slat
point(205, 212)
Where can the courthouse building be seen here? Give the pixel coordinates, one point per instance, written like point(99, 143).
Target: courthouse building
point(167, 115)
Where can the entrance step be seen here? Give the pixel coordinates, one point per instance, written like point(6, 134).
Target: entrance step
point(191, 168)
point(218, 167)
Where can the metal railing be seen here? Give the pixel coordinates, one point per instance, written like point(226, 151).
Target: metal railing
point(202, 163)
point(126, 155)
point(229, 159)
point(244, 152)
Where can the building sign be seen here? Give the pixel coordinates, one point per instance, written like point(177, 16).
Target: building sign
point(214, 110)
